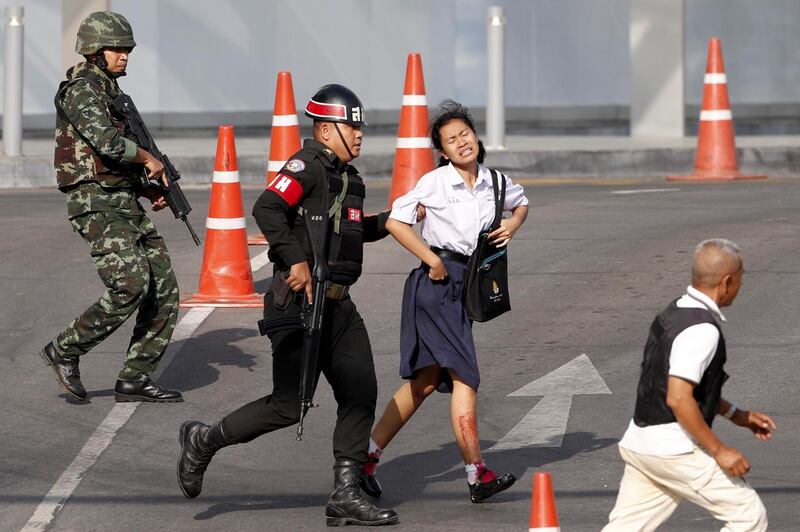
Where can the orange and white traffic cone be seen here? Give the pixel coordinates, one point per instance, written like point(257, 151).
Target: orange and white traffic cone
point(544, 517)
point(715, 158)
point(413, 157)
point(226, 279)
point(284, 140)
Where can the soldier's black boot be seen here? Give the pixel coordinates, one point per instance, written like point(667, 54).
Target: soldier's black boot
point(66, 369)
point(144, 389)
point(199, 442)
point(346, 505)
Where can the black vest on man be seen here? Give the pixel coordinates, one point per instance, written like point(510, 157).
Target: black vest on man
point(651, 395)
point(319, 175)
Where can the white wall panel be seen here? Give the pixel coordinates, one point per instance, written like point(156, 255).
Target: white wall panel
point(217, 56)
point(41, 68)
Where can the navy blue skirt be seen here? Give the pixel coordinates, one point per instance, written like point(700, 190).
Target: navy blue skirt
point(435, 330)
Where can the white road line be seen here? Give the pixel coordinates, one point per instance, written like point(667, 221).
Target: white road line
point(259, 261)
point(62, 490)
point(71, 477)
point(644, 190)
point(100, 440)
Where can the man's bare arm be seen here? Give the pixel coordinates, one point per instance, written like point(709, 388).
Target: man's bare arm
point(681, 401)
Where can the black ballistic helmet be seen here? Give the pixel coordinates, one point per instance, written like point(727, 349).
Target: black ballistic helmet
point(336, 103)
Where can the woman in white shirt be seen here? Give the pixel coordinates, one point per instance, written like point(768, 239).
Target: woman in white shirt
point(437, 350)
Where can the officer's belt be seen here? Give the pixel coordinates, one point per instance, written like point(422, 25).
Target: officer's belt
point(295, 322)
point(337, 291)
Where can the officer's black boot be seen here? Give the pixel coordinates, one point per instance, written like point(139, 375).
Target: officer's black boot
point(66, 369)
point(199, 442)
point(346, 505)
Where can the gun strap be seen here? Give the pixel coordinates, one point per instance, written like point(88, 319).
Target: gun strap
point(335, 210)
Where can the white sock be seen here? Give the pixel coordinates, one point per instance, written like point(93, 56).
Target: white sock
point(374, 449)
point(472, 473)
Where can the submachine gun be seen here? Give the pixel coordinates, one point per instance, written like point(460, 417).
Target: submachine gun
point(178, 204)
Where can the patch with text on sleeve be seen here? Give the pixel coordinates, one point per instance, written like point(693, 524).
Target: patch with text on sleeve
point(287, 188)
point(295, 165)
point(354, 215)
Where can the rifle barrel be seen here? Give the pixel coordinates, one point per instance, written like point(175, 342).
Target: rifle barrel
point(191, 230)
point(303, 407)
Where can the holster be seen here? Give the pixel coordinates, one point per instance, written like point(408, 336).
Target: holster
point(282, 297)
point(281, 291)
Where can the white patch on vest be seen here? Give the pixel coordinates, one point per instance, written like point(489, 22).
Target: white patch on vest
point(295, 165)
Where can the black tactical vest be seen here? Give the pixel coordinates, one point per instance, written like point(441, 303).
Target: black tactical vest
point(345, 250)
point(651, 396)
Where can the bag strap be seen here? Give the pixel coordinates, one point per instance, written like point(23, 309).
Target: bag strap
point(499, 198)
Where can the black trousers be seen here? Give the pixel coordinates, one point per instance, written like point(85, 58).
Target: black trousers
point(346, 362)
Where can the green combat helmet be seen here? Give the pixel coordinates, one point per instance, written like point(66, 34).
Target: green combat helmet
point(103, 29)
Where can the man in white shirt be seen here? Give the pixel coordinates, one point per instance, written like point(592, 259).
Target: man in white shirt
point(669, 449)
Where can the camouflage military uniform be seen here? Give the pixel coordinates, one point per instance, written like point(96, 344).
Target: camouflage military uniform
point(93, 166)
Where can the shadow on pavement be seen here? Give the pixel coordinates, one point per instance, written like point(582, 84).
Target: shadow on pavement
point(405, 477)
point(108, 392)
point(267, 503)
point(201, 357)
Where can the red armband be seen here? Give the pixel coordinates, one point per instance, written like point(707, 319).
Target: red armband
point(288, 188)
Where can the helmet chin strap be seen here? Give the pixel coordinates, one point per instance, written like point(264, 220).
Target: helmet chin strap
point(346, 147)
point(103, 65)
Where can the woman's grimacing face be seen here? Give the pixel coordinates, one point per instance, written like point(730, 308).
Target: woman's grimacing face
point(459, 142)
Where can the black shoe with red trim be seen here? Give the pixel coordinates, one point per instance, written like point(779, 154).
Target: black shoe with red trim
point(366, 478)
point(488, 484)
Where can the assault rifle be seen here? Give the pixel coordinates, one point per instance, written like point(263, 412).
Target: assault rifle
point(178, 204)
point(317, 223)
point(311, 316)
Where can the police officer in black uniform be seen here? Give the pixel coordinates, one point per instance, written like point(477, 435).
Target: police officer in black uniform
point(317, 171)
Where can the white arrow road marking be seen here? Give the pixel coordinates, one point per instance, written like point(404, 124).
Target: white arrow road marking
point(546, 424)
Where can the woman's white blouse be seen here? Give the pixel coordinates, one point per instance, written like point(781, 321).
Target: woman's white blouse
point(454, 214)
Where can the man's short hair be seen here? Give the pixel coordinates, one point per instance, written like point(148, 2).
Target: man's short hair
point(709, 272)
point(732, 248)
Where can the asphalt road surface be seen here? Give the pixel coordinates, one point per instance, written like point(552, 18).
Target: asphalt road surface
point(589, 270)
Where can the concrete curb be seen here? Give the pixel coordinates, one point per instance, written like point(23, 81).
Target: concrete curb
point(37, 171)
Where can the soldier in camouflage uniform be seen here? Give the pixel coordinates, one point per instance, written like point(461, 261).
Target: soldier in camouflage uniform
point(97, 168)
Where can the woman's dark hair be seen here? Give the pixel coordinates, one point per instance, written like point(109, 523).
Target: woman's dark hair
point(450, 110)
